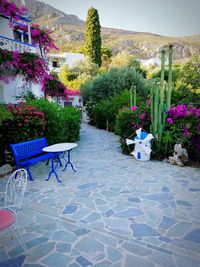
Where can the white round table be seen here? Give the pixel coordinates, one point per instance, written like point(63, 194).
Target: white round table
point(60, 148)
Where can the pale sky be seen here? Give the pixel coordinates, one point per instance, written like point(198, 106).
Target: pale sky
point(164, 17)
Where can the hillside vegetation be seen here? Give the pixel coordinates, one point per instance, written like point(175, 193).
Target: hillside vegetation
point(69, 34)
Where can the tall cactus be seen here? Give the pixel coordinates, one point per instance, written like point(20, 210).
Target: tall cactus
point(169, 78)
point(133, 96)
point(160, 100)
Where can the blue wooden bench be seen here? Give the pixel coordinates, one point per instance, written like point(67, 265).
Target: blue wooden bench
point(30, 152)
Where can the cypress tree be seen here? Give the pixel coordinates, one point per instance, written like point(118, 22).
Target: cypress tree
point(93, 36)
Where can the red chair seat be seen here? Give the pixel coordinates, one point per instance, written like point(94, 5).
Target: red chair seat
point(7, 218)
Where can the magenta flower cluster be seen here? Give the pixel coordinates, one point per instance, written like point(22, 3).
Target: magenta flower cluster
point(31, 66)
point(182, 111)
point(11, 10)
point(133, 108)
point(54, 88)
point(179, 111)
point(185, 118)
point(141, 116)
point(39, 36)
point(43, 38)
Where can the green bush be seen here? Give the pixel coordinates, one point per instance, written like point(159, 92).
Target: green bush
point(113, 82)
point(102, 115)
point(106, 86)
point(62, 124)
point(186, 96)
point(4, 114)
point(72, 123)
point(124, 127)
point(105, 111)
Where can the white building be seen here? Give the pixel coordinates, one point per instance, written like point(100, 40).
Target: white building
point(74, 100)
point(154, 61)
point(20, 41)
point(56, 61)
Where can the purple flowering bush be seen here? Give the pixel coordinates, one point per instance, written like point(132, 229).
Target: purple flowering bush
point(129, 120)
point(183, 126)
point(142, 117)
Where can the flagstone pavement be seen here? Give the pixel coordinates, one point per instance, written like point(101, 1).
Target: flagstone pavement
point(114, 211)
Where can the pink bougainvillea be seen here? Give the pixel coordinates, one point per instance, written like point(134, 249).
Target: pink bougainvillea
point(11, 10)
point(31, 66)
point(55, 88)
point(40, 37)
point(183, 123)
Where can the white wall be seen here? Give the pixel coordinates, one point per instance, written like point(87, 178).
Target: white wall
point(36, 90)
point(5, 29)
point(9, 91)
point(65, 58)
point(73, 101)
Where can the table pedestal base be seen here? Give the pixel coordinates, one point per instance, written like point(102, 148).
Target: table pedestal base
point(68, 161)
point(53, 170)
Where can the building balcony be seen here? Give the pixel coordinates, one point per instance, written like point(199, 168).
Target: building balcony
point(14, 45)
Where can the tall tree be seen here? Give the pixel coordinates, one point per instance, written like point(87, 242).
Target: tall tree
point(93, 36)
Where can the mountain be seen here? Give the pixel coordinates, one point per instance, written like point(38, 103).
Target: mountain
point(69, 34)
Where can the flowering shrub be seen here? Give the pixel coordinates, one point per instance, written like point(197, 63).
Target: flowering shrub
point(183, 125)
point(55, 88)
point(11, 10)
point(26, 123)
point(128, 121)
point(31, 66)
point(42, 37)
point(39, 36)
point(141, 118)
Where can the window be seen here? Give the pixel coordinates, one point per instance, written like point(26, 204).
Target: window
point(17, 36)
point(26, 41)
point(67, 104)
point(55, 64)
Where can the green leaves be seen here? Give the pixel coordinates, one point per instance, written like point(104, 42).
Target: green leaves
point(62, 124)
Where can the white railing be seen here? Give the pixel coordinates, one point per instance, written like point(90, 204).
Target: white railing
point(13, 45)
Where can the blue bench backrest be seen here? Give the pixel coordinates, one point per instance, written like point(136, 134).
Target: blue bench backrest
point(28, 149)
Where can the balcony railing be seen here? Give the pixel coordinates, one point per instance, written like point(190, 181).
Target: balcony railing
point(14, 45)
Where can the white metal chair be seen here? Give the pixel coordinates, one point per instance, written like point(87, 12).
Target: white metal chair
point(14, 194)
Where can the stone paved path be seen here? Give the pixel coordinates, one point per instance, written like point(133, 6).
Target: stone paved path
point(115, 211)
